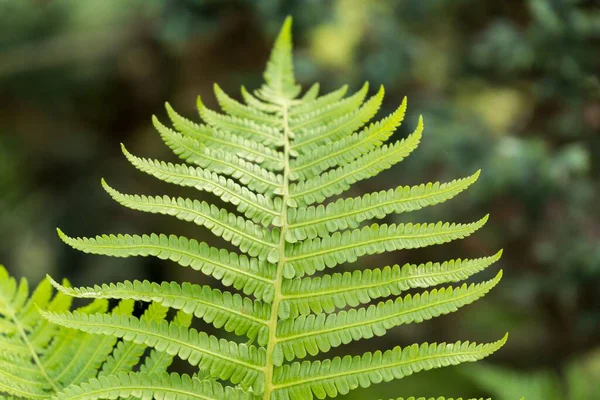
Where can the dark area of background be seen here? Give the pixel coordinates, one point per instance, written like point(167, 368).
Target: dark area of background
point(510, 87)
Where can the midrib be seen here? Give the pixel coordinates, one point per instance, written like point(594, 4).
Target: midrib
point(360, 141)
point(278, 295)
point(398, 314)
point(13, 316)
point(457, 229)
point(466, 267)
point(378, 367)
point(410, 199)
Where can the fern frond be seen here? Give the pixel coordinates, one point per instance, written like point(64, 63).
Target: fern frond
point(327, 252)
point(255, 206)
point(39, 359)
point(329, 292)
point(225, 310)
point(147, 386)
point(87, 355)
point(219, 161)
point(311, 141)
point(275, 158)
point(20, 385)
point(22, 372)
point(329, 378)
point(251, 238)
point(314, 334)
point(348, 148)
point(237, 109)
point(310, 222)
point(65, 359)
point(246, 274)
point(41, 297)
point(263, 134)
point(339, 180)
point(98, 350)
point(250, 150)
point(240, 363)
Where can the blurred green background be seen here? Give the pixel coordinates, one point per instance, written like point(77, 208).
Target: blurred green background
point(510, 87)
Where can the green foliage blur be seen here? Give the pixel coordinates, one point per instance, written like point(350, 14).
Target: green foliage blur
point(511, 87)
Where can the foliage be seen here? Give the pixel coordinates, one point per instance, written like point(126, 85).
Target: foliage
point(508, 87)
point(276, 175)
point(40, 360)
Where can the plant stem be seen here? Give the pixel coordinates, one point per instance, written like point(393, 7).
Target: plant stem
point(13, 316)
point(269, 366)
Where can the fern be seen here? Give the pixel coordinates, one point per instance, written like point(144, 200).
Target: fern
point(39, 359)
point(275, 160)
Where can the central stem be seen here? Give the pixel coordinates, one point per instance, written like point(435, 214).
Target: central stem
point(269, 367)
point(21, 330)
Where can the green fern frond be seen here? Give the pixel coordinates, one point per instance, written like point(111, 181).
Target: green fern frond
point(348, 148)
point(319, 333)
point(219, 161)
point(247, 128)
point(202, 135)
point(336, 181)
point(127, 354)
point(240, 363)
point(158, 361)
point(232, 312)
point(310, 222)
point(255, 206)
point(63, 355)
point(254, 102)
point(276, 159)
point(302, 123)
point(251, 238)
point(329, 292)
point(237, 109)
point(328, 251)
point(280, 83)
point(308, 140)
point(147, 386)
point(335, 376)
point(243, 273)
point(311, 93)
point(39, 359)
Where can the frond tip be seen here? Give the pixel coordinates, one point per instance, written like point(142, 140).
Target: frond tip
point(279, 75)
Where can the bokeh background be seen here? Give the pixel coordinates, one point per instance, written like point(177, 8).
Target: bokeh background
point(510, 87)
